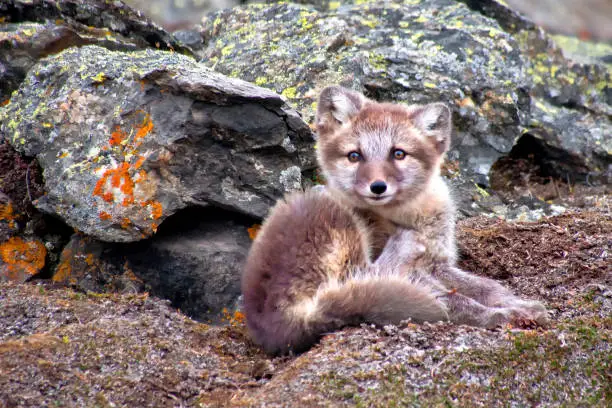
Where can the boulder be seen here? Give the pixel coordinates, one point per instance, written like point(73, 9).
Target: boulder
point(21, 259)
point(36, 28)
point(502, 75)
point(127, 139)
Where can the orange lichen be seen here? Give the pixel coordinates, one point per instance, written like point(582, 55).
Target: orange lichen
point(5, 102)
point(125, 223)
point(127, 201)
point(117, 185)
point(117, 136)
point(144, 128)
point(234, 319)
point(139, 163)
point(119, 177)
point(104, 215)
point(63, 271)
point(253, 230)
point(74, 264)
point(156, 210)
point(22, 258)
point(7, 214)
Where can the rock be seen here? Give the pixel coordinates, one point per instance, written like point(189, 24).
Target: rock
point(20, 181)
point(502, 75)
point(197, 264)
point(21, 259)
point(85, 265)
point(34, 29)
point(125, 140)
point(8, 218)
point(195, 261)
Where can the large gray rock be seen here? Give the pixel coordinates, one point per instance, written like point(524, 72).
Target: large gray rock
point(127, 139)
point(36, 28)
point(501, 74)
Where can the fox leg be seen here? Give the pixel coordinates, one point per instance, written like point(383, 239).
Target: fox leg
point(490, 293)
point(465, 310)
point(401, 248)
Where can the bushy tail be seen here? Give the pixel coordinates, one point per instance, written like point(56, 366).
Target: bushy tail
point(379, 300)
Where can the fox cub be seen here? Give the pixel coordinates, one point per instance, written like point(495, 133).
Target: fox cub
point(377, 244)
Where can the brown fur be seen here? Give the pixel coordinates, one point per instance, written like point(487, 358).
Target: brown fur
point(349, 254)
point(308, 272)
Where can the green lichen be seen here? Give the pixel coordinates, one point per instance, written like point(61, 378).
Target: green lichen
point(305, 20)
point(333, 5)
point(99, 78)
point(371, 23)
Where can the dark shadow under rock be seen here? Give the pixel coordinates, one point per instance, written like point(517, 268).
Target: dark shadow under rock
point(195, 261)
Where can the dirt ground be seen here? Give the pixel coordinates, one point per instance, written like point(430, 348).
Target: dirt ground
point(63, 348)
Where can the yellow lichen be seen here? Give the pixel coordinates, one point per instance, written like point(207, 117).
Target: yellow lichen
point(290, 92)
point(259, 81)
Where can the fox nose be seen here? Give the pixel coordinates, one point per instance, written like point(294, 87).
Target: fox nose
point(378, 187)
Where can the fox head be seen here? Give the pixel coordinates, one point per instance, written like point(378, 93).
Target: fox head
point(379, 154)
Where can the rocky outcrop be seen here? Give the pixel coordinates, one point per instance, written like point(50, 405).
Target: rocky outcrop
point(35, 29)
point(501, 74)
point(161, 162)
point(125, 140)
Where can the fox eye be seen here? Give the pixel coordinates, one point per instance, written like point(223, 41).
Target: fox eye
point(399, 154)
point(354, 157)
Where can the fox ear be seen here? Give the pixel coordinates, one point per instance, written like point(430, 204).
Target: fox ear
point(337, 106)
point(434, 120)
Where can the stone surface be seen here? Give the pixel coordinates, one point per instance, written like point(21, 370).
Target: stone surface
point(126, 140)
point(21, 259)
point(195, 261)
point(33, 29)
point(501, 74)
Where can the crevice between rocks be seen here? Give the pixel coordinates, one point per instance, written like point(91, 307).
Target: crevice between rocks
point(536, 171)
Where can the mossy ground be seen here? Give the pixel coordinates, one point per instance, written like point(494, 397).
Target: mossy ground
point(63, 348)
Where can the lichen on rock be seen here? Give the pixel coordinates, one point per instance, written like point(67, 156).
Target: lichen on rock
point(126, 140)
point(495, 68)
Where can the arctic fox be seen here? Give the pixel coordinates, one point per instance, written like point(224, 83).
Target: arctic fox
point(377, 244)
